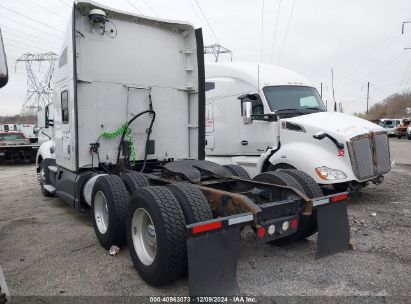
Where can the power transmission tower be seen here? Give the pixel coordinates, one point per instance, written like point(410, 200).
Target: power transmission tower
point(39, 90)
point(217, 49)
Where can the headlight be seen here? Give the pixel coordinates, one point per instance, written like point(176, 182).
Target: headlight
point(330, 174)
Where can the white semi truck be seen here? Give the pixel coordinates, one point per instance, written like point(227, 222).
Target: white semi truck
point(266, 118)
point(128, 143)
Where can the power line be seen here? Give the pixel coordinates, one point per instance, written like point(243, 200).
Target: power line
point(25, 36)
point(404, 77)
point(16, 46)
point(286, 32)
point(206, 20)
point(33, 39)
point(34, 20)
point(46, 9)
point(370, 56)
point(31, 27)
point(276, 29)
point(146, 3)
point(199, 17)
point(129, 2)
point(23, 43)
point(388, 64)
point(61, 1)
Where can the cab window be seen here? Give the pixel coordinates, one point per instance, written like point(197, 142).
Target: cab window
point(64, 107)
point(257, 104)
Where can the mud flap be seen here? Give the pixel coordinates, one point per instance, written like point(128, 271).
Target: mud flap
point(212, 262)
point(333, 229)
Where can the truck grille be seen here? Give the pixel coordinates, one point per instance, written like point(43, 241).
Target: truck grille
point(370, 155)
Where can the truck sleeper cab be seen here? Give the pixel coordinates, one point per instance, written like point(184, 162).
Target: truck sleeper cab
point(128, 142)
point(266, 118)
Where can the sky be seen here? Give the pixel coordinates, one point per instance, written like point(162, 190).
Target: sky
point(361, 40)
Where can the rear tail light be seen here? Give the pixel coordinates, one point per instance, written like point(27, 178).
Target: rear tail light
point(294, 224)
point(339, 197)
point(261, 232)
point(285, 226)
point(207, 227)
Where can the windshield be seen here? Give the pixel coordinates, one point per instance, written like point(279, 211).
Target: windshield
point(304, 99)
point(11, 136)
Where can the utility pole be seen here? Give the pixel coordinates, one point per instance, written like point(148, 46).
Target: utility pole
point(332, 84)
point(368, 93)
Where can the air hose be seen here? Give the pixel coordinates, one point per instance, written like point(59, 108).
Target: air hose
point(127, 131)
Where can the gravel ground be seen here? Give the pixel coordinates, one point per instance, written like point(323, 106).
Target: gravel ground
point(47, 248)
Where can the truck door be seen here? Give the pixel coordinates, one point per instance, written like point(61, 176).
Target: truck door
point(256, 135)
point(64, 127)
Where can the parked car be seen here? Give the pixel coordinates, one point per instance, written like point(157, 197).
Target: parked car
point(402, 128)
point(409, 132)
point(391, 125)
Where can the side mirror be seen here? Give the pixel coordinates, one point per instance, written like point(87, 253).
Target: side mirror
point(320, 135)
point(247, 111)
point(4, 74)
point(36, 130)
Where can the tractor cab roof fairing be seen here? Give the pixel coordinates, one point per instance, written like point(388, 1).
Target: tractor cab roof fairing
point(111, 63)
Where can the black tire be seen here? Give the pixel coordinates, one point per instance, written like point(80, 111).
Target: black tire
point(116, 195)
point(237, 170)
point(312, 190)
point(167, 216)
point(278, 177)
point(192, 201)
point(44, 179)
point(134, 181)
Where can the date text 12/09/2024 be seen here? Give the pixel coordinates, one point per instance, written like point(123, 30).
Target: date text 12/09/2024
point(236, 299)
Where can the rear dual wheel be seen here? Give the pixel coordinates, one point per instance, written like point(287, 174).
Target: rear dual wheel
point(152, 222)
point(109, 208)
point(156, 229)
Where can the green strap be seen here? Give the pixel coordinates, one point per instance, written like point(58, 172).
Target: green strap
point(117, 133)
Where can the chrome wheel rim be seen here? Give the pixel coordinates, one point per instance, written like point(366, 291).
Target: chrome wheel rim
point(101, 212)
point(144, 236)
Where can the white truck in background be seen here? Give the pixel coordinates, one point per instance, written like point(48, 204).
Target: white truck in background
point(30, 131)
point(265, 118)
